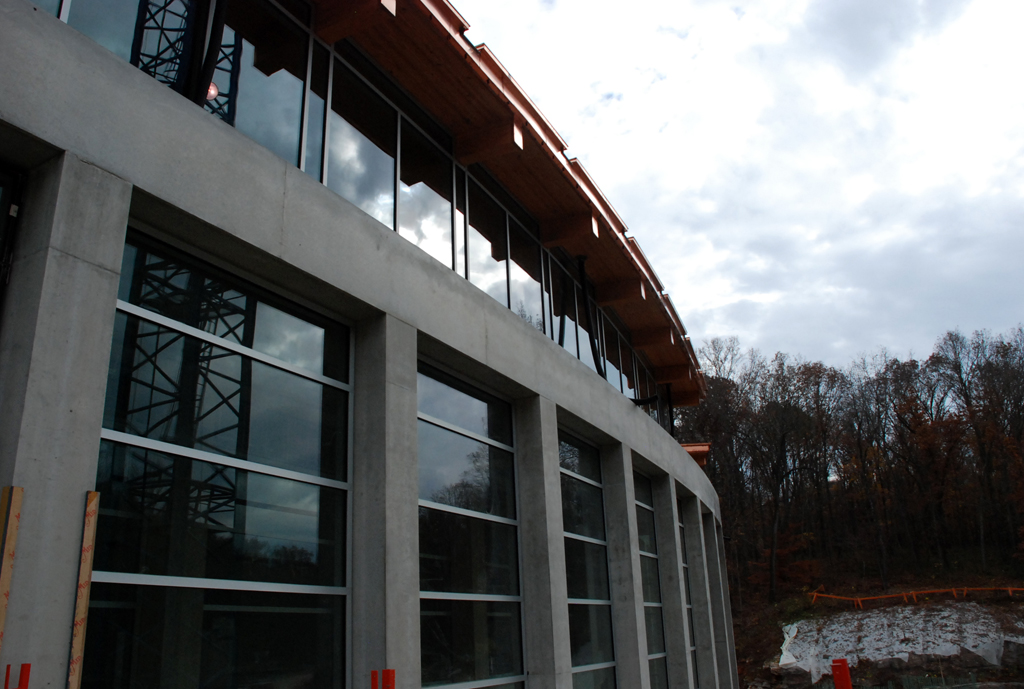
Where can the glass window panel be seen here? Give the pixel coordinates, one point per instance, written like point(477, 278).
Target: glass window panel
point(270, 75)
point(586, 570)
point(525, 276)
point(594, 679)
point(425, 195)
point(462, 472)
point(288, 338)
point(152, 636)
point(611, 356)
point(590, 634)
point(649, 579)
point(176, 516)
point(448, 399)
point(629, 382)
point(643, 490)
point(563, 303)
point(645, 530)
point(578, 457)
point(655, 630)
point(459, 554)
point(362, 146)
point(460, 221)
point(696, 671)
point(689, 620)
point(487, 244)
point(194, 296)
point(582, 508)
point(584, 327)
point(317, 107)
point(659, 673)
point(465, 641)
point(181, 390)
point(49, 6)
point(111, 23)
point(686, 581)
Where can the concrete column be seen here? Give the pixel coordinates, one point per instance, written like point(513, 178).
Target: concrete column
point(628, 624)
point(673, 595)
point(542, 544)
point(703, 625)
point(727, 606)
point(55, 333)
point(719, 593)
point(385, 588)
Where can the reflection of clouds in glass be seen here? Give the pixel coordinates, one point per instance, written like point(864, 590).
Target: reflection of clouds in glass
point(268, 109)
point(444, 402)
point(360, 172)
point(445, 459)
point(111, 23)
point(284, 428)
point(299, 521)
point(425, 219)
point(484, 271)
point(526, 296)
point(288, 338)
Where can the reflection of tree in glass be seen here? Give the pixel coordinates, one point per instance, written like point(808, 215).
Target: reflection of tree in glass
point(536, 321)
point(473, 489)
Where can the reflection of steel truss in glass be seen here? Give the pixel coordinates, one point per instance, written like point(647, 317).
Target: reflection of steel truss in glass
point(211, 500)
point(185, 390)
point(226, 77)
point(163, 40)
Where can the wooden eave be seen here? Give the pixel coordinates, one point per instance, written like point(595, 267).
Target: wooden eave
point(423, 48)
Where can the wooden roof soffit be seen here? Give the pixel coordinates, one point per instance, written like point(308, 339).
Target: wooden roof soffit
point(673, 374)
point(570, 230)
point(619, 291)
point(491, 142)
point(335, 20)
point(699, 451)
point(653, 337)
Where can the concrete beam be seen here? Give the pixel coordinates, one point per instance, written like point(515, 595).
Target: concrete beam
point(334, 20)
point(385, 567)
point(545, 591)
point(490, 143)
point(58, 320)
point(574, 228)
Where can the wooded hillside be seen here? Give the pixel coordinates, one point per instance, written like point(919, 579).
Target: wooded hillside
point(886, 468)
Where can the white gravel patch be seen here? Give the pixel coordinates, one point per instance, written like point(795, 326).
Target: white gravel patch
point(896, 632)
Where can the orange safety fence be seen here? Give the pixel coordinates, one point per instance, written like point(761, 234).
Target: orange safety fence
point(858, 602)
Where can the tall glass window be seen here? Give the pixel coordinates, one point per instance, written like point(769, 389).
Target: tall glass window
point(586, 565)
point(525, 276)
point(470, 596)
point(651, 580)
point(425, 201)
point(689, 599)
point(487, 244)
point(221, 551)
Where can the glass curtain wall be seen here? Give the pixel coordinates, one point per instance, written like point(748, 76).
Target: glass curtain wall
point(651, 581)
point(689, 601)
point(325, 110)
point(470, 595)
point(221, 545)
point(586, 565)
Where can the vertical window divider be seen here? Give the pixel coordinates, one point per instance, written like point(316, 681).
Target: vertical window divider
point(324, 156)
point(454, 214)
point(508, 261)
point(65, 10)
point(398, 168)
point(304, 126)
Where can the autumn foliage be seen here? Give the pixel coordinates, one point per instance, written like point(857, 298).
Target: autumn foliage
point(884, 469)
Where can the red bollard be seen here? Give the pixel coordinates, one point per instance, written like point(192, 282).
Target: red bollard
point(389, 679)
point(23, 675)
point(841, 674)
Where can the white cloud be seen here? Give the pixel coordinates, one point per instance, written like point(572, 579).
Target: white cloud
point(822, 177)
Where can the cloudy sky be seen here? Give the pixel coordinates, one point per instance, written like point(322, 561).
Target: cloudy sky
point(820, 177)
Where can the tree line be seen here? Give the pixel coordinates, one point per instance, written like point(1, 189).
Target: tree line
point(884, 469)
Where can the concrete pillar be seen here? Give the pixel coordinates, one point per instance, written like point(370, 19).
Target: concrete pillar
point(703, 624)
point(727, 606)
point(55, 333)
point(719, 593)
point(673, 594)
point(542, 544)
point(385, 585)
point(628, 624)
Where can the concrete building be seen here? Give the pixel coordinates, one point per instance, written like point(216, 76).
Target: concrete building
point(365, 370)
